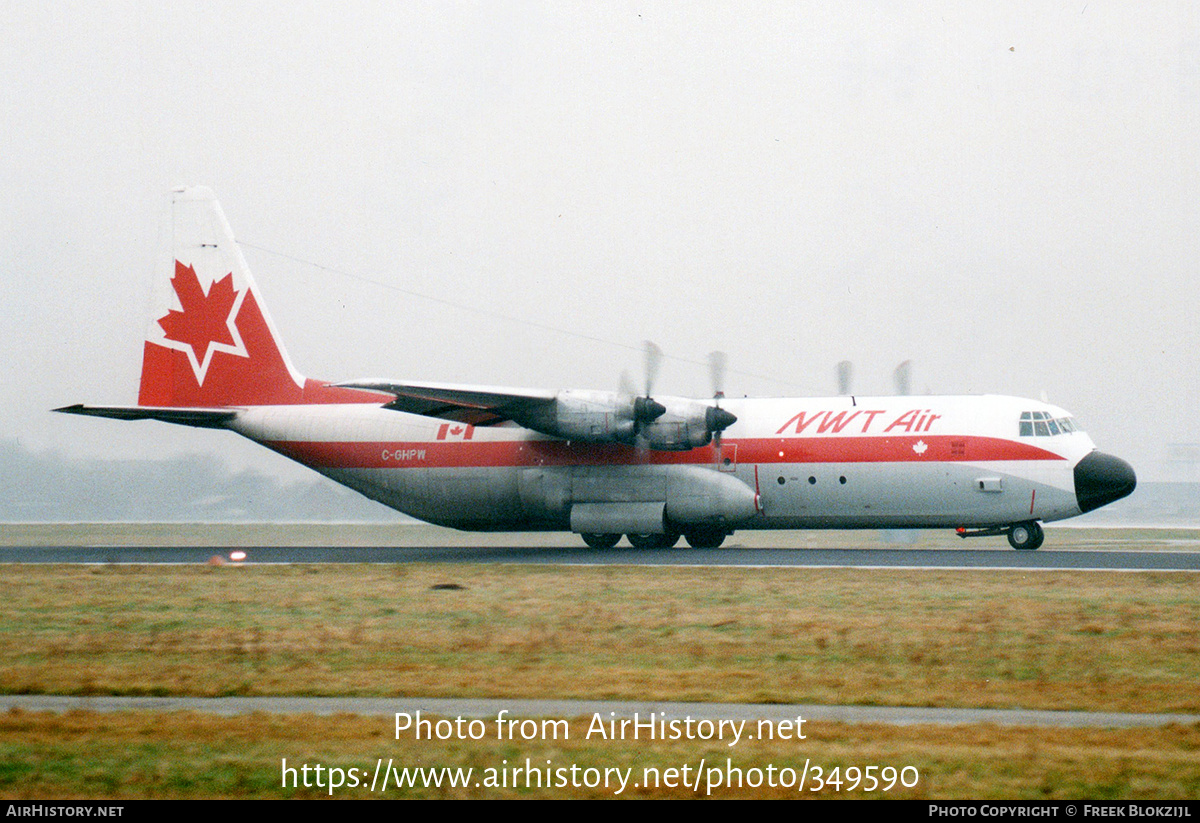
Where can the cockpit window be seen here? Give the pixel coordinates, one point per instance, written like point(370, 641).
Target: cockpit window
point(1041, 424)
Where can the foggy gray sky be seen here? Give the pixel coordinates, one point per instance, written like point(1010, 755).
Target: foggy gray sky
point(1008, 196)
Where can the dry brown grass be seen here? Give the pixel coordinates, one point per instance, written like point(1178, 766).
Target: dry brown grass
point(1046, 640)
point(145, 754)
point(972, 638)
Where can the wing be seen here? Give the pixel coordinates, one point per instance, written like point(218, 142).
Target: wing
point(477, 405)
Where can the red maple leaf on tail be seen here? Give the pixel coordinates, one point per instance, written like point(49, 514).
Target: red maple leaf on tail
point(204, 321)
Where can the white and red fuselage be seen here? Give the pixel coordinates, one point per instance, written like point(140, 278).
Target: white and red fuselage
point(490, 459)
point(836, 462)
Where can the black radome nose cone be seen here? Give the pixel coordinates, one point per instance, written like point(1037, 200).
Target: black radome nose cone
point(1100, 479)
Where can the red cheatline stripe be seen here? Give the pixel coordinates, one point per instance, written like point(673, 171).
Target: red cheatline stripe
point(492, 454)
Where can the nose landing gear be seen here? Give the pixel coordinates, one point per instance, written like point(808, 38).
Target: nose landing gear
point(1026, 536)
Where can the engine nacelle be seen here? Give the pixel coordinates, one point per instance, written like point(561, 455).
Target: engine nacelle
point(587, 417)
point(607, 417)
point(683, 427)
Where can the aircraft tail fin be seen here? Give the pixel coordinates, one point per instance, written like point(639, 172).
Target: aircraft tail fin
point(211, 342)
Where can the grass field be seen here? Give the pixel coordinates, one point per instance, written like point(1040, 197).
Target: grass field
point(1045, 640)
point(147, 754)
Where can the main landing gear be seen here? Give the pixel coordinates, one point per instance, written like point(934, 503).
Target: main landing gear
point(600, 541)
point(706, 537)
point(698, 538)
point(1025, 537)
point(653, 541)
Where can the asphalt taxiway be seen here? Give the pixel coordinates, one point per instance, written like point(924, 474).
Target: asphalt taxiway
point(522, 707)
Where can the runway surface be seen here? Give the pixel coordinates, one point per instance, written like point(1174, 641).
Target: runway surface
point(1112, 560)
point(491, 707)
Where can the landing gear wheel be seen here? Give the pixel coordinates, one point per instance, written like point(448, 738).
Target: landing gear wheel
point(668, 540)
point(1026, 536)
point(653, 541)
point(601, 541)
point(705, 538)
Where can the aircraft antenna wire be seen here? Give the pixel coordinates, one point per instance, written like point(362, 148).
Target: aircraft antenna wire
point(499, 315)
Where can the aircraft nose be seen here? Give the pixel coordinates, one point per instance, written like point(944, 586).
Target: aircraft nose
point(1100, 479)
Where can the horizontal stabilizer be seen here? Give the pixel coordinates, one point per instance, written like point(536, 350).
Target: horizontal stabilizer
point(477, 405)
point(202, 418)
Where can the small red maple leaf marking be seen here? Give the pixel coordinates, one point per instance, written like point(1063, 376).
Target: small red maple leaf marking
point(204, 321)
point(457, 430)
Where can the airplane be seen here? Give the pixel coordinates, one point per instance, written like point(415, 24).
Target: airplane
point(603, 464)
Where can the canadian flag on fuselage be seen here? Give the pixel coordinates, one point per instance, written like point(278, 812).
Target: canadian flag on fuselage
point(211, 343)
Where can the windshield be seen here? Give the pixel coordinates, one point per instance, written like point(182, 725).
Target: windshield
point(1042, 424)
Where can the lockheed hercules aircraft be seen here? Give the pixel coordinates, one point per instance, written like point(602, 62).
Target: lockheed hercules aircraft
point(604, 464)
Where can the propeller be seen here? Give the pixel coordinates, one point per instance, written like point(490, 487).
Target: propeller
point(902, 377)
point(716, 373)
point(645, 409)
point(653, 360)
point(716, 419)
point(845, 371)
